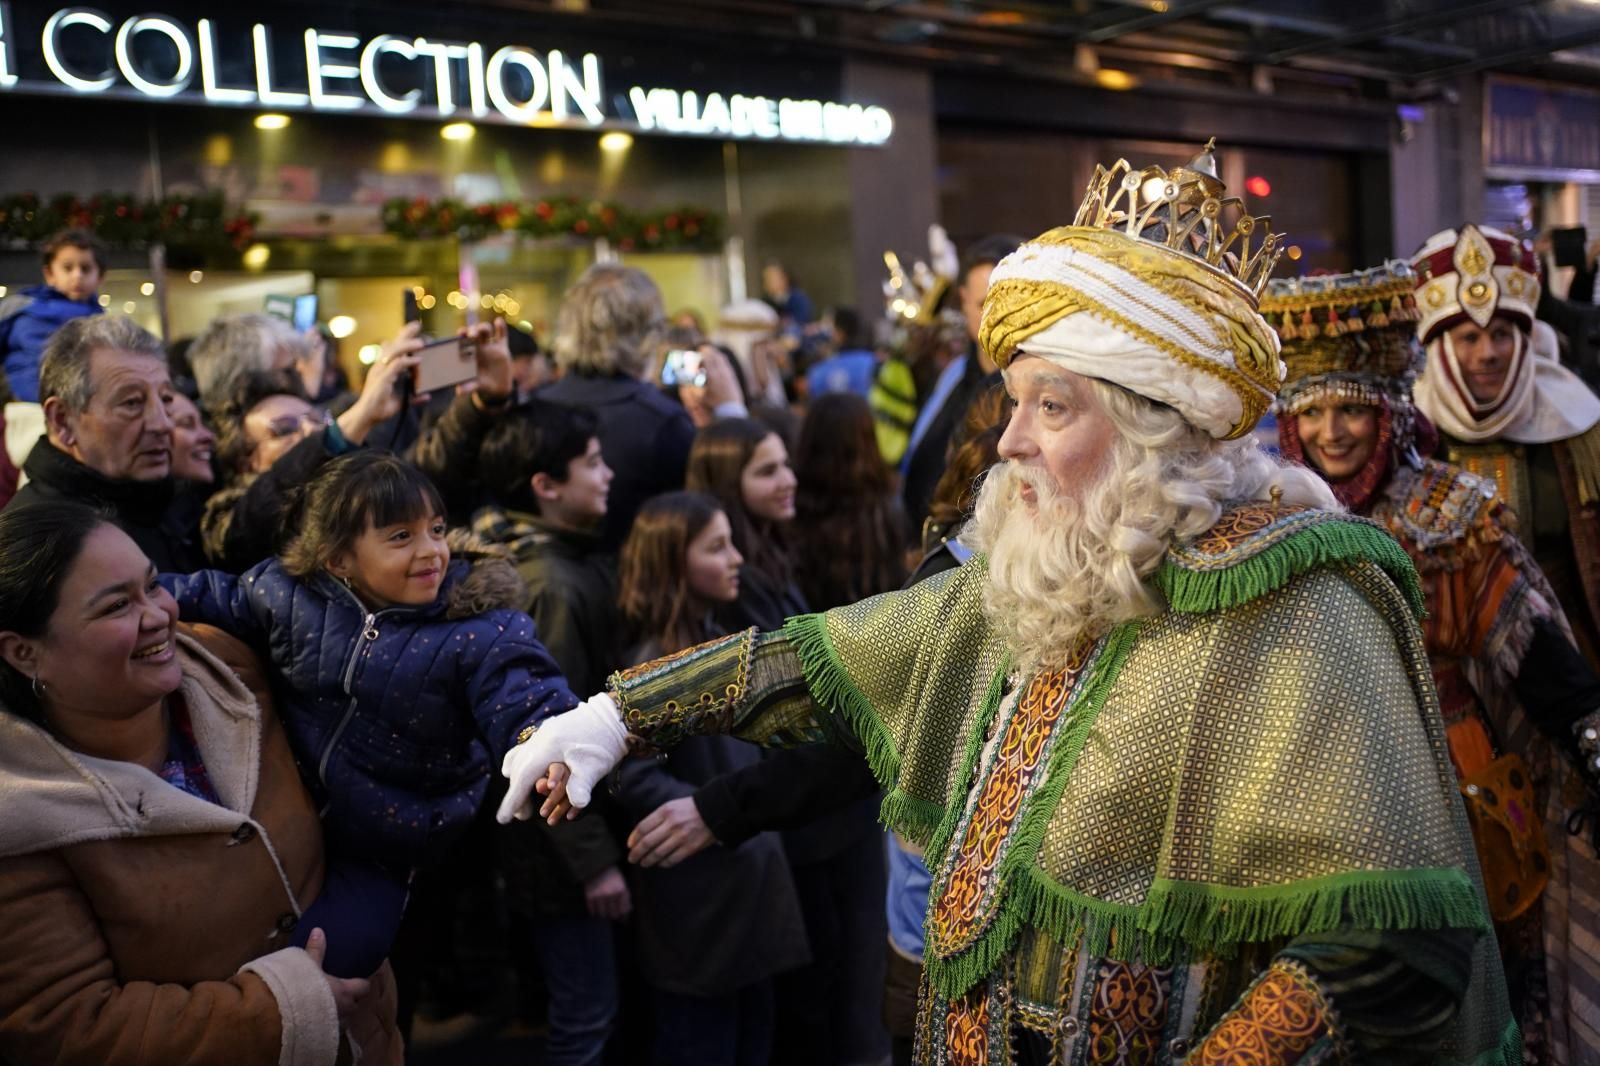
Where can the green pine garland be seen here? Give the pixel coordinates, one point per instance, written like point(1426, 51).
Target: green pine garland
point(203, 223)
point(675, 229)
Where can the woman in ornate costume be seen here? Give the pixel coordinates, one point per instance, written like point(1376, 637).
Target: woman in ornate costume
point(1516, 695)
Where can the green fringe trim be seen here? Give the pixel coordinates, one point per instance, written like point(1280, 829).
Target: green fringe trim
point(1216, 920)
point(954, 976)
point(835, 693)
point(912, 817)
point(939, 842)
point(1329, 543)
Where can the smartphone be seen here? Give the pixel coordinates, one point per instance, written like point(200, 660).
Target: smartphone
point(411, 311)
point(683, 366)
point(298, 311)
point(445, 364)
point(1569, 246)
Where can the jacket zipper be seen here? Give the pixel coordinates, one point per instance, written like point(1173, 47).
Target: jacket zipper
point(369, 633)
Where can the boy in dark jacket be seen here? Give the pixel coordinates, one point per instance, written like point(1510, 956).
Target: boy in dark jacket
point(542, 466)
point(74, 261)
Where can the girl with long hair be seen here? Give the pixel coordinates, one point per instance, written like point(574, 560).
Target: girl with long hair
point(745, 467)
point(715, 923)
point(849, 531)
point(827, 1012)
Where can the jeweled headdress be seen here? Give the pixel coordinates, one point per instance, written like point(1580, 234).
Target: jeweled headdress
point(1155, 288)
point(1474, 273)
point(1350, 337)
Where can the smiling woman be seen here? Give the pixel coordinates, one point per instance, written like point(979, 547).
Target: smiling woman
point(120, 733)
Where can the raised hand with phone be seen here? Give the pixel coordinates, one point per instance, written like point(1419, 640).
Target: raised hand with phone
point(713, 391)
point(382, 395)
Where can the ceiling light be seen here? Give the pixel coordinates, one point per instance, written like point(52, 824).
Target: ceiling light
point(341, 326)
point(271, 121)
point(1119, 80)
point(369, 354)
point(196, 276)
point(616, 141)
point(147, 289)
point(458, 131)
point(256, 256)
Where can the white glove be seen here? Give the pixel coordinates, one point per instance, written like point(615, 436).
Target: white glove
point(590, 739)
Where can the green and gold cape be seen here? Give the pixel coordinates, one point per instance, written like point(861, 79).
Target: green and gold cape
point(1261, 761)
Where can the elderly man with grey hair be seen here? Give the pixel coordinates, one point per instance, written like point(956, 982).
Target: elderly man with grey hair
point(609, 332)
point(236, 345)
point(108, 434)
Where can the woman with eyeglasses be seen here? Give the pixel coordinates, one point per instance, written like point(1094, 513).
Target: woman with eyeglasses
point(272, 439)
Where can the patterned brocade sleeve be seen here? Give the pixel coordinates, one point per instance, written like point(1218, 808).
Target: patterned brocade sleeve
point(1374, 997)
point(749, 685)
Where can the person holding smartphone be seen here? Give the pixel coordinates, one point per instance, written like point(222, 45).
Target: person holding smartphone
point(609, 333)
point(272, 438)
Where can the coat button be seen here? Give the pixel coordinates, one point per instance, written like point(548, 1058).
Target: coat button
point(1069, 1027)
point(244, 834)
point(1179, 1048)
point(286, 924)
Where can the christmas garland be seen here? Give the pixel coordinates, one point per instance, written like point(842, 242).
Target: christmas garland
point(199, 223)
point(682, 229)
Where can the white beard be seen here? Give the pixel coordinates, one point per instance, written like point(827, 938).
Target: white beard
point(1055, 577)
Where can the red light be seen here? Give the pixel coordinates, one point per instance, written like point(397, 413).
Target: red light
point(1258, 186)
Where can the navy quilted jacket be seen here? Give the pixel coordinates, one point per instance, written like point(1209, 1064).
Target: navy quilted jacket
point(398, 717)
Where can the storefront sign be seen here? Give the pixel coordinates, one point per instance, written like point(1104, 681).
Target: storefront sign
point(1543, 129)
point(81, 50)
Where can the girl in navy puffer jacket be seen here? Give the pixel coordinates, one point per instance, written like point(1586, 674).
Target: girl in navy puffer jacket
point(404, 680)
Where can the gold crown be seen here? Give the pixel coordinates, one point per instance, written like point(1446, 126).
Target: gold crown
point(1185, 210)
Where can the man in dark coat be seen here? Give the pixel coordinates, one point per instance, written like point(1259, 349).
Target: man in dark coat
point(607, 332)
point(957, 386)
point(108, 435)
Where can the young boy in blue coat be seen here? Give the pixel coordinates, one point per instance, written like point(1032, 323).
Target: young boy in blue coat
point(74, 261)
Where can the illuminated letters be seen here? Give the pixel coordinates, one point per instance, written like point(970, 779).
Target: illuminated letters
point(74, 16)
point(511, 109)
point(269, 95)
point(443, 84)
point(317, 70)
point(208, 71)
point(7, 79)
point(376, 48)
point(174, 33)
point(349, 72)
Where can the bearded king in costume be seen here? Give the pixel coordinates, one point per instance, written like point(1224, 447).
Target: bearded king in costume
point(1517, 697)
point(1508, 410)
point(1169, 739)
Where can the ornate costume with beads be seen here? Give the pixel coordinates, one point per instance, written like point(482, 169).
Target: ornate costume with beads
point(1496, 638)
point(1539, 438)
point(1138, 863)
point(1224, 831)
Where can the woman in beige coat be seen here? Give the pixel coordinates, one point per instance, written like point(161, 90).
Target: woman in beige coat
point(157, 846)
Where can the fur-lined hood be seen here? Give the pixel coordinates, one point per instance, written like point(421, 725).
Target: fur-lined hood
point(490, 582)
